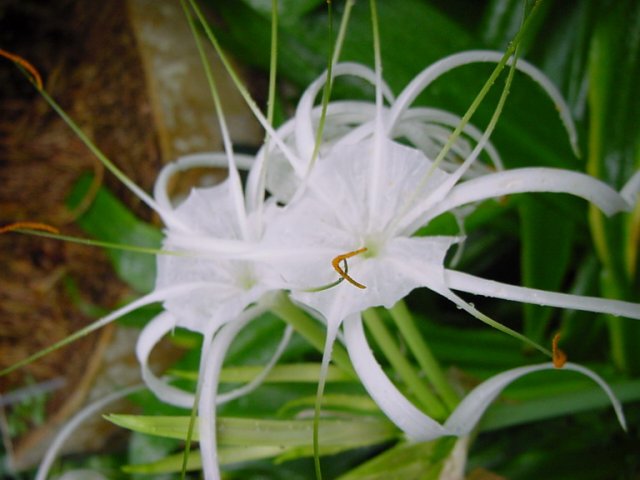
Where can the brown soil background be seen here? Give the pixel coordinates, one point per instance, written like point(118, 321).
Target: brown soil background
point(85, 52)
point(99, 64)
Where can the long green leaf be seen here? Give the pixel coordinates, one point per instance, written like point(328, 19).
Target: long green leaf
point(348, 431)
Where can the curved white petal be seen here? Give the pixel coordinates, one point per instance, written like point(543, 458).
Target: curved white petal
point(631, 190)
point(342, 118)
point(232, 286)
point(258, 379)
point(466, 416)
point(211, 211)
point(424, 79)
point(532, 179)
point(187, 162)
point(490, 288)
point(187, 244)
point(67, 430)
point(415, 424)
point(209, 379)
point(419, 118)
point(305, 133)
point(150, 335)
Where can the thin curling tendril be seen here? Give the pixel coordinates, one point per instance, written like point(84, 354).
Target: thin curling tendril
point(12, 227)
point(336, 265)
point(559, 357)
point(35, 76)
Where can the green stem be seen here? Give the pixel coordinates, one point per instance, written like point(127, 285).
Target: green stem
point(613, 276)
point(326, 94)
point(511, 50)
point(311, 331)
point(617, 326)
point(421, 351)
point(409, 375)
point(273, 62)
point(190, 430)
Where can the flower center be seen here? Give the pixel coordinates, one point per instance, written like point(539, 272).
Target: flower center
point(373, 245)
point(245, 279)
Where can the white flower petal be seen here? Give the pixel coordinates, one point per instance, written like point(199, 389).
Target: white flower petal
point(418, 426)
point(214, 355)
point(211, 211)
point(533, 179)
point(631, 190)
point(70, 426)
point(383, 275)
point(187, 162)
point(415, 424)
point(490, 288)
point(305, 132)
point(427, 76)
point(258, 379)
point(342, 123)
point(417, 119)
point(344, 177)
point(149, 337)
point(466, 416)
point(232, 285)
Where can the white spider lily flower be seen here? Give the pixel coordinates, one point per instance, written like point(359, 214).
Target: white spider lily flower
point(212, 234)
point(212, 217)
point(364, 199)
point(337, 215)
point(376, 193)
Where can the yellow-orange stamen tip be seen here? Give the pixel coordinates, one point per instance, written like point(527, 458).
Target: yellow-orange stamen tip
point(28, 226)
point(336, 265)
point(37, 79)
point(559, 357)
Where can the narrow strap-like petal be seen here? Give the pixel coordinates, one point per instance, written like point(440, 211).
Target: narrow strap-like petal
point(415, 424)
point(305, 134)
point(427, 76)
point(466, 416)
point(68, 429)
point(151, 334)
point(209, 379)
point(258, 379)
point(490, 288)
point(631, 190)
point(418, 426)
point(533, 179)
point(187, 162)
point(450, 120)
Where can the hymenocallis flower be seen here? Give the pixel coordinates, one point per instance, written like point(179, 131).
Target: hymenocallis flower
point(366, 196)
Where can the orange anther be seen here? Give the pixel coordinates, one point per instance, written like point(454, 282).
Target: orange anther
point(559, 357)
point(37, 79)
point(28, 226)
point(336, 265)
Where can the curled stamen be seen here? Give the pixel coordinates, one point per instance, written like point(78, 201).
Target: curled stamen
point(329, 285)
point(37, 79)
point(336, 265)
point(559, 357)
point(28, 226)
